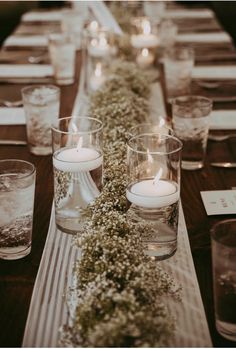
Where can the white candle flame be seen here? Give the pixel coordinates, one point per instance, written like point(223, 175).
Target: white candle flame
point(162, 122)
point(93, 26)
point(145, 52)
point(158, 176)
point(74, 127)
point(79, 144)
point(149, 156)
point(102, 41)
point(146, 27)
point(98, 70)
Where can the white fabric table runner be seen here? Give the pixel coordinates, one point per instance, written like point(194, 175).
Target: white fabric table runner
point(25, 70)
point(223, 120)
point(209, 38)
point(12, 116)
point(26, 40)
point(214, 72)
point(48, 309)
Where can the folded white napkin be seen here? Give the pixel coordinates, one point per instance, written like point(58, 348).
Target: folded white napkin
point(205, 13)
point(25, 70)
point(26, 40)
point(214, 72)
point(42, 16)
point(204, 37)
point(12, 116)
point(223, 120)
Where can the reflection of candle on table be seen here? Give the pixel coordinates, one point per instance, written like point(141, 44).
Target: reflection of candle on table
point(153, 193)
point(145, 39)
point(77, 159)
point(97, 78)
point(145, 58)
point(99, 47)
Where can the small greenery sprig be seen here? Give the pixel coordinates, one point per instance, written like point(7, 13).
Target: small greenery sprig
point(119, 289)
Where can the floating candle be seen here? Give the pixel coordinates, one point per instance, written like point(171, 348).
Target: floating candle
point(77, 159)
point(99, 47)
point(153, 194)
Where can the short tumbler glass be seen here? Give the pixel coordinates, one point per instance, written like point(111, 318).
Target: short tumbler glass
point(191, 117)
point(62, 50)
point(153, 191)
point(41, 106)
point(223, 239)
point(77, 165)
point(17, 186)
point(178, 65)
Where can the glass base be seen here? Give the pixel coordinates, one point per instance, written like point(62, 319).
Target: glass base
point(69, 225)
point(226, 329)
point(192, 165)
point(160, 251)
point(41, 150)
point(13, 253)
point(65, 81)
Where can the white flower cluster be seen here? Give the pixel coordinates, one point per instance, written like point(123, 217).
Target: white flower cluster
point(119, 290)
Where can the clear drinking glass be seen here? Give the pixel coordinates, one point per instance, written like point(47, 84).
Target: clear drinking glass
point(178, 65)
point(191, 117)
point(223, 240)
point(77, 164)
point(41, 106)
point(62, 55)
point(17, 186)
point(72, 23)
point(153, 190)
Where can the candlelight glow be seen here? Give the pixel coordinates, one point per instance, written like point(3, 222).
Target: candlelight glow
point(145, 52)
point(98, 70)
point(93, 26)
point(149, 156)
point(162, 122)
point(146, 27)
point(158, 176)
point(102, 41)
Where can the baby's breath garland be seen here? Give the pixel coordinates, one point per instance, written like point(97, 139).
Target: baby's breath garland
point(119, 290)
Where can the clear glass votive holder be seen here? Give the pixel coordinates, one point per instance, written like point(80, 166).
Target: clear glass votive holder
point(223, 246)
point(144, 41)
point(178, 64)
point(153, 191)
point(191, 119)
point(100, 43)
point(41, 106)
point(77, 166)
point(149, 128)
point(62, 51)
point(17, 187)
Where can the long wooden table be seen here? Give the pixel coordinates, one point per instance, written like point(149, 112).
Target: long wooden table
point(17, 277)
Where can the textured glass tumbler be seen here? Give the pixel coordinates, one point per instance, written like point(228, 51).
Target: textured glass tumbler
point(223, 239)
point(77, 165)
point(153, 162)
point(178, 65)
point(17, 186)
point(41, 106)
point(191, 118)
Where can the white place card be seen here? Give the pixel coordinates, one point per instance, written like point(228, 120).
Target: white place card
point(26, 40)
point(204, 13)
point(204, 37)
point(47, 16)
point(25, 70)
point(12, 116)
point(214, 72)
point(219, 202)
point(223, 120)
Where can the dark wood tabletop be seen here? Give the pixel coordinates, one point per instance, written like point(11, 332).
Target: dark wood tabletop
point(17, 277)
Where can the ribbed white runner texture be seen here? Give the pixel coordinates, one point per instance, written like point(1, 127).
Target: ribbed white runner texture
point(48, 309)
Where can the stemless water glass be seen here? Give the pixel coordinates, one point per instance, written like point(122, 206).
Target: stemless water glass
point(153, 190)
point(17, 186)
point(191, 118)
point(77, 165)
point(41, 106)
point(223, 242)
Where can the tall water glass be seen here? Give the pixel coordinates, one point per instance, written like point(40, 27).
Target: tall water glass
point(178, 65)
point(77, 165)
point(223, 240)
point(153, 190)
point(191, 118)
point(17, 186)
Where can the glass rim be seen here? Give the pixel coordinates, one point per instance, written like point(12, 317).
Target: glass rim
point(56, 129)
point(26, 90)
point(177, 140)
point(213, 231)
point(209, 102)
point(22, 175)
point(150, 124)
